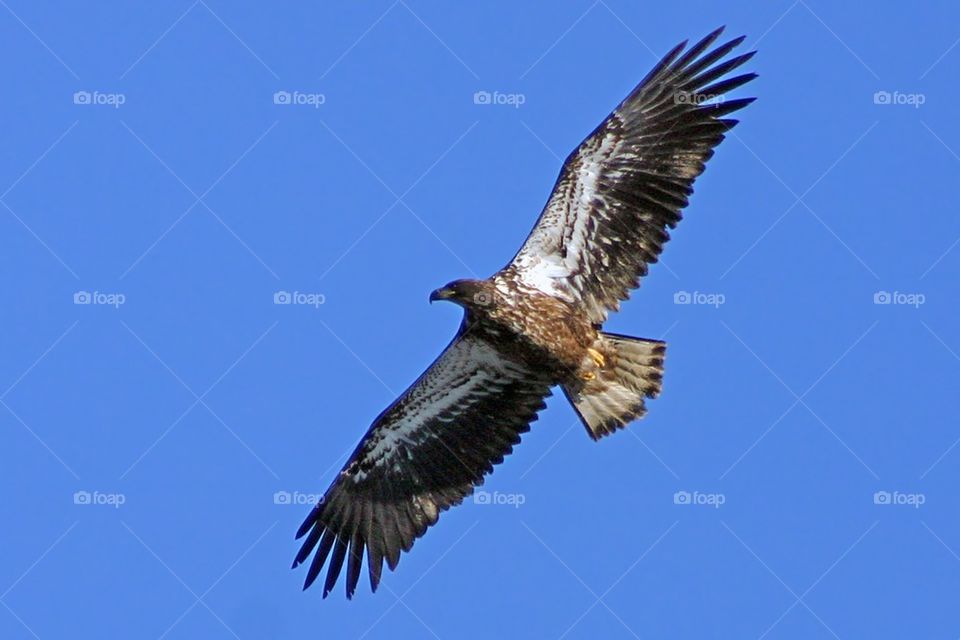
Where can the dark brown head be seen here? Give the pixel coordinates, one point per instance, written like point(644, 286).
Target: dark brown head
point(470, 294)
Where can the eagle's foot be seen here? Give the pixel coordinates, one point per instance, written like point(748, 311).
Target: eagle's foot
point(587, 376)
point(597, 357)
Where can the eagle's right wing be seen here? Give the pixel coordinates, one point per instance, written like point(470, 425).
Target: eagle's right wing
point(422, 455)
point(622, 189)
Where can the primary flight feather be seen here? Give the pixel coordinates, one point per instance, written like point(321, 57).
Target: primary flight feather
point(536, 323)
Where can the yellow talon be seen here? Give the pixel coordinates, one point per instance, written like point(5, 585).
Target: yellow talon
point(588, 375)
point(597, 357)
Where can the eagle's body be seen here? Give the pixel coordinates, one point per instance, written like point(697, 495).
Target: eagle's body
point(537, 323)
point(541, 330)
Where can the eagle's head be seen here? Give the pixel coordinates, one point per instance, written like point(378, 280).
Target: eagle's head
point(471, 294)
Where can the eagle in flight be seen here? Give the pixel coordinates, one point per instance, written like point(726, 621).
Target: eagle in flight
point(536, 324)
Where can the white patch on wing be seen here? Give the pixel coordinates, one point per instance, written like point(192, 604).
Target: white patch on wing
point(546, 273)
point(553, 259)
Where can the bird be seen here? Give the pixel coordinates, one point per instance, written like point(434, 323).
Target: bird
point(537, 323)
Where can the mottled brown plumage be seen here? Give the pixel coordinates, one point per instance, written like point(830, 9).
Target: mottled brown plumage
point(543, 331)
point(537, 323)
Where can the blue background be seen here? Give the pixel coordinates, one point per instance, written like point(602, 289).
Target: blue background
point(203, 407)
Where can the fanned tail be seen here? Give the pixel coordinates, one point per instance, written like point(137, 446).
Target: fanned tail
point(614, 397)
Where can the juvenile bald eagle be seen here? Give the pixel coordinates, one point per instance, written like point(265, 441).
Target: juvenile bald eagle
point(536, 324)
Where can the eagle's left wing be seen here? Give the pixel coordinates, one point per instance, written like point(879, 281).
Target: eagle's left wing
point(626, 184)
point(422, 455)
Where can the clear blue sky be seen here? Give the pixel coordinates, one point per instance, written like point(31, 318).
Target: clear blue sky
point(151, 438)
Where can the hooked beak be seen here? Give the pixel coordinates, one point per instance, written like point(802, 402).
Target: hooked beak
point(441, 294)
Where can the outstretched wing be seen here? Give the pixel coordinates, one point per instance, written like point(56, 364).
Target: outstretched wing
point(422, 455)
point(620, 190)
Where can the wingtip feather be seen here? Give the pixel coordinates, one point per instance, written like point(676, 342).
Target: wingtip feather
point(326, 543)
point(335, 566)
point(308, 523)
point(698, 48)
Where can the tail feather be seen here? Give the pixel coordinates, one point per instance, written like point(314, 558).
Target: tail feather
point(632, 371)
